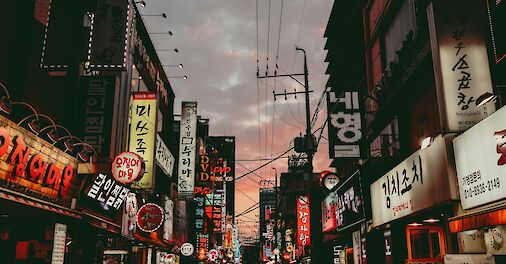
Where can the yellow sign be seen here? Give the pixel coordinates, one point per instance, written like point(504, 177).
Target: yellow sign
point(143, 134)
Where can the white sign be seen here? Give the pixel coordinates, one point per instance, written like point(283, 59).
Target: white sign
point(480, 157)
point(471, 241)
point(328, 206)
point(187, 249)
point(128, 224)
point(187, 143)
point(425, 178)
point(356, 247)
point(469, 258)
point(59, 241)
point(108, 191)
point(168, 224)
point(164, 157)
point(345, 125)
point(460, 62)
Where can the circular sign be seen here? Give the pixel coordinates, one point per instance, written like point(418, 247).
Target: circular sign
point(213, 254)
point(187, 249)
point(329, 181)
point(289, 248)
point(127, 167)
point(150, 217)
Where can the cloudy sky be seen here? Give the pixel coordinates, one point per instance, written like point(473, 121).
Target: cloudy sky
point(217, 43)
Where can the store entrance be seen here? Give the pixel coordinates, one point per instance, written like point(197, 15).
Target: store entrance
point(425, 243)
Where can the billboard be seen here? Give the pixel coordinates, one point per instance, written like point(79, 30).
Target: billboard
point(143, 134)
point(187, 149)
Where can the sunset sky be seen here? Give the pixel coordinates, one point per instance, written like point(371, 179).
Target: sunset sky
point(217, 43)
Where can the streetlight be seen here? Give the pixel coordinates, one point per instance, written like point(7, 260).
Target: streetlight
point(173, 65)
point(175, 50)
point(162, 15)
point(178, 77)
point(160, 33)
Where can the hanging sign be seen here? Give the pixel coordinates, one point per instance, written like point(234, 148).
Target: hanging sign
point(108, 191)
point(129, 225)
point(164, 157)
point(59, 240)
point(349, 202)
point(329, 180)
point(329, 213)
point(460, 59)
point(143, 134)
point(187, 147)
point(127, 167)
point(303, 221)
point(187, 249)
point(150, 217)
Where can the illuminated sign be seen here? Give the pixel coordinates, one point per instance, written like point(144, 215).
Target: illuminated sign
point(480, 155)
point(59, 243)
point(129, 225)
point(168, 223)
point(303, 221)
point(143, 134)
point(423, 179)
point(349, 202)
point(32, 163)
point(329, 213)
point(164, 158)
point(150, 217)
point(204, 169)
point(108, 191)
point(187, 148)
point(344, 124)
point(126, 167)
point(461, 64)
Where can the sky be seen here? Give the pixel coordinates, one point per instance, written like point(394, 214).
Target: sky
point(219, 46)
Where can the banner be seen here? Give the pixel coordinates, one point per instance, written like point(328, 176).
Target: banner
point(142, 135)
point(460, 59)
point(344, 125)
point(187, 149)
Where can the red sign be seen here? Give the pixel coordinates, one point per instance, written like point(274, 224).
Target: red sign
point(303, 221)
point(30, 162)
point(127, 167)
point(150, 217)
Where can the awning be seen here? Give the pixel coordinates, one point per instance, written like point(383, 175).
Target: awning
point(41, 205)
point(101, 222)
point(476, 221)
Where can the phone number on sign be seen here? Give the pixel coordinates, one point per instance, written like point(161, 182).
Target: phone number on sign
point(482, 188)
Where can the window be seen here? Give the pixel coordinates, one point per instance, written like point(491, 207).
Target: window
point(425, 242)
point(402, 25)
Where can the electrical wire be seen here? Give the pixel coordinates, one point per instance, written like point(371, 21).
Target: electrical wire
point(247, 196)
point(265, 164)
point(248, 170)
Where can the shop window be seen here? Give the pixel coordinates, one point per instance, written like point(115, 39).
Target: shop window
point(425, 242)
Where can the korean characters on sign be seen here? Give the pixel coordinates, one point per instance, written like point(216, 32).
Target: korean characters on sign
point(460, 61)
point(187, 148)
point(345, 125)
point(143, 134)
point(127, 167)
point(303, 221)
point(108, 191)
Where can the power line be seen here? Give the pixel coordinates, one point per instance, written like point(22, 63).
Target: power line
point(248, 169)
point(259, 159)
point(264, 164)
point(251, 199)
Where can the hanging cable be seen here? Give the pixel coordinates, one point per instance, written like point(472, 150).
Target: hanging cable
point(251, 171)
point(247, 196)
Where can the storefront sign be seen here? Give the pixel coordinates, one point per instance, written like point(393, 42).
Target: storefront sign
point(336, 255)
point(109, 30)
point(213, 207)
point(59, 243)
point(329, 213)
point(34, 165)
point(329, 181)
point(127, 167)
point(423, 179)
point(469, 258)
point(187, 249)
point(222, 158)
point(96, 105)
point(472, 241)
point(128, 222)
point(460, 61)
point(480, 158)
point(164, 158)
point(168, 223)
point(202, 246)
point(345, 125)
point(150, 217)
point(303, 221)
point(143, 134)
point(187, 144)
point(357, 251)
point(349, 204)
point(108, 191)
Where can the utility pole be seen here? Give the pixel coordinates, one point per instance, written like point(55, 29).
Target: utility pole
point(309, 143)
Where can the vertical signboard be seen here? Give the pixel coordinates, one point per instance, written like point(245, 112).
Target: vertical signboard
point(96, 106)
point(460, 62)
point(168, 222)
point(108, 35)
point(303, 221)
point(128, 222)
point(143, 134)
point(60, 235)
point(349, 202)
point(164, 157)
point(329, 213)
point(187, 144)
point(344, 125)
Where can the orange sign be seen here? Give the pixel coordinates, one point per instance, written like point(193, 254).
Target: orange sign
point(32, 163)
